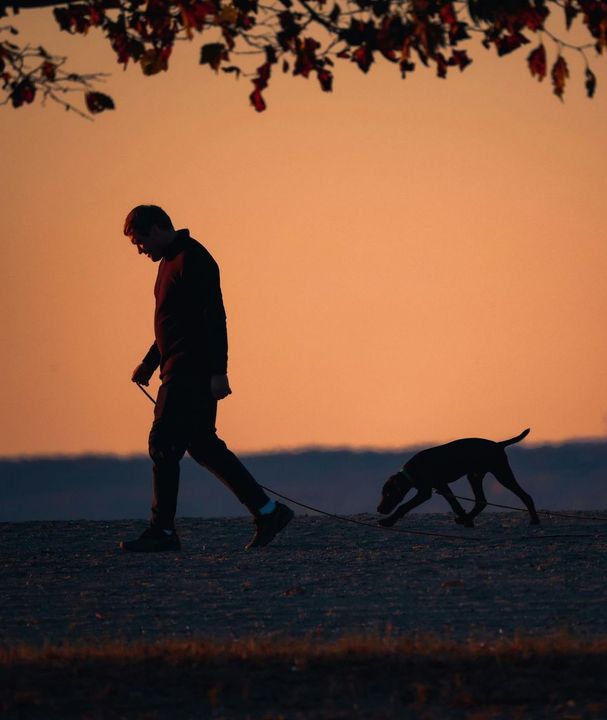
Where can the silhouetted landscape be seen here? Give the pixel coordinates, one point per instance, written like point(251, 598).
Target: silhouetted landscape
point(571, 476)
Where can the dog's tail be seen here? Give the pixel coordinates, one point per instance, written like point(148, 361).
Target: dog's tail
point(516, 439)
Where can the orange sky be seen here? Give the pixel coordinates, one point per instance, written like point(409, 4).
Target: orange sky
point(403, 262)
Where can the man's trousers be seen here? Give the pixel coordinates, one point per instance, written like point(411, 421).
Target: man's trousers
point(184, 419)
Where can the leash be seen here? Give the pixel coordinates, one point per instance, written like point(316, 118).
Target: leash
point(347, 519)
point(145, 392)
point(548, 513)
point(343, 518)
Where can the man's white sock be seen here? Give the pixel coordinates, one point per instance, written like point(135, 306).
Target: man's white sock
point(268, 508)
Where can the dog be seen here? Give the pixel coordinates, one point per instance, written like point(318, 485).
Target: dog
point(438, 466)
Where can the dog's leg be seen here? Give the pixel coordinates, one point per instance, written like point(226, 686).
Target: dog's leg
point(461, 515)
point(480, 501)
point(505, 476)
point(420, 497)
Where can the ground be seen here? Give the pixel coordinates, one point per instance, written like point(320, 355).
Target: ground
point(322, 581)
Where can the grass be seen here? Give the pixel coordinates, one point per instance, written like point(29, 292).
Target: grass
point(426, 678)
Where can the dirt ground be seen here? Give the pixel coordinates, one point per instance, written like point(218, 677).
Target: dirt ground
point(67, 583)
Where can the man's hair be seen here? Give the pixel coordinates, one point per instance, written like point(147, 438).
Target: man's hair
point(141, 219)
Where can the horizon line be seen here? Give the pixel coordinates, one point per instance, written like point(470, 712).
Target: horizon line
point(293, 450)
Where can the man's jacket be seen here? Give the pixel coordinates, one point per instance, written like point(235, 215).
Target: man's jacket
point(190, 320)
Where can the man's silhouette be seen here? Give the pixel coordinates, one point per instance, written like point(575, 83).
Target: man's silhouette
point(191, 350)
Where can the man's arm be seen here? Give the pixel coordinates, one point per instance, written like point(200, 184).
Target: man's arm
point(217, 336)
point(215, 322)
point(144, 371)
point(204, 286)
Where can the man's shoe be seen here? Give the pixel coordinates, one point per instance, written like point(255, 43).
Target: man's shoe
point(268, 526)
point(152, 540)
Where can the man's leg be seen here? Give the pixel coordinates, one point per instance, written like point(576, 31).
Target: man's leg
point(211, 452)
point(167, 443)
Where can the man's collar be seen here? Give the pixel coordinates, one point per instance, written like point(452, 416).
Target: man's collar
point(176, 244)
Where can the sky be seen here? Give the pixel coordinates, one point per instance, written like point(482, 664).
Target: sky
point(403, 262)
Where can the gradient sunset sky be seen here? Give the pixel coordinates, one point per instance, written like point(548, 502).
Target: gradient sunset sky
point(403, 262)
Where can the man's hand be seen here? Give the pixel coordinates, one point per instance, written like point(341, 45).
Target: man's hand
point(220, 387)
point(142, 374)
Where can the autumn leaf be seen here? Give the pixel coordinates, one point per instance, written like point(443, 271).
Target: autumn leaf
point(537, 62)
point(363, 57)
point(260, 83)
point(63, 18)
point(306, 56)
point(441, 65)
point(447, 14)
point(212, 54)
point(570, 13)
point(406, 67)
point(559, 74)
point(228, 14)
point(460, 59)
point(97, 102)
point(534, 18)
point(152, 62)
point(590, 83)
point(325, 78)
point(48, 70)
point(509, 43)
point(23, 93)
point(257, 100)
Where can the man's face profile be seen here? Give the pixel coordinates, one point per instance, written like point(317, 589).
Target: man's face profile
point(150, 244)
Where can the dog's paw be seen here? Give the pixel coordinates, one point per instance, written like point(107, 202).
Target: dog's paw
point(386, 522)
point(534, 521)
point(465, 521)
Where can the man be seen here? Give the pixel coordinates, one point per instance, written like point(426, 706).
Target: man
point(191, 350)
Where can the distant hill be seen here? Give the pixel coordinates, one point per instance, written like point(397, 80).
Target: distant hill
point(571, 476)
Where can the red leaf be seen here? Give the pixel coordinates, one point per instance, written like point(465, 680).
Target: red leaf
point(257, 100)
point(441, 65)
point(447, 14)
point(363, 57)
point(590, 82)
point(508, 43)
point(153, 61)
point(460, 59)
point(212, 54)
point(559, 74)
point(62, 16)
point(306, 56)
point(48, 70)
point(97, 102)
point(534, 18)
point(325, 78)
point(405, 67)
point(537, 62)
point(23, 93)
point(260, 83)
point(570, 13)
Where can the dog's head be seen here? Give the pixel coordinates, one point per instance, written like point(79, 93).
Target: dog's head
point(394, 490)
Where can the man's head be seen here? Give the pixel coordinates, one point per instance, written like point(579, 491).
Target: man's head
point(150, 229)
point(394, 490)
